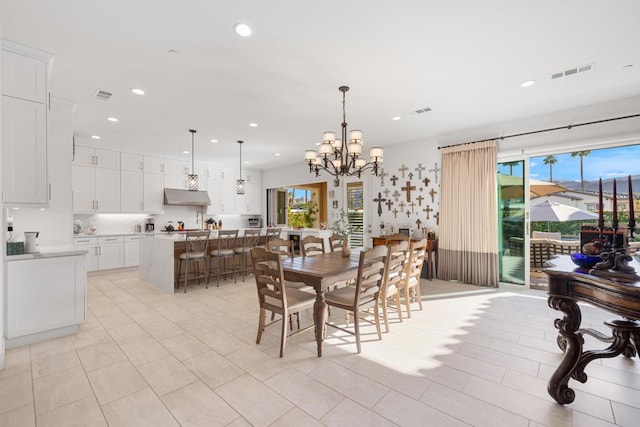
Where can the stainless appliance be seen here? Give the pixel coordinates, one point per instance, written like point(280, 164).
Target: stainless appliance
point(175, 196)
point(150, 225)
point(31, 241)
point(254, 222)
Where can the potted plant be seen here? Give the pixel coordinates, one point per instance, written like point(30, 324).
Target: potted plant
point(344, 229)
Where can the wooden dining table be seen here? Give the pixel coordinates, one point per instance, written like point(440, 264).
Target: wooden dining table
point(320, 272)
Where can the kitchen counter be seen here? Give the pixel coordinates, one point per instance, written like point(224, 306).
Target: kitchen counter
point(47, 252)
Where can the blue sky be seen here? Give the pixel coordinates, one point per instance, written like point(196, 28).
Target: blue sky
point(604, 163)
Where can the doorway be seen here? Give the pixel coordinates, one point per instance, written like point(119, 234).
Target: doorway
point(512, 223)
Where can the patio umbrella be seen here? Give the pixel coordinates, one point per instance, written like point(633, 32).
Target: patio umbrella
point(557, 212)
point(511, 187)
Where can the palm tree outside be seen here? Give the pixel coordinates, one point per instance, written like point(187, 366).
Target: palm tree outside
point(550, 160)
point(581, 154)
point(511, 165)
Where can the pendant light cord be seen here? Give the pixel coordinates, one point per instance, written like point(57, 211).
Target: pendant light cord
point(193, 132)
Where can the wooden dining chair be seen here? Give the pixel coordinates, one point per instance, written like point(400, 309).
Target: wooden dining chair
point(410, 286)
point(335, 243)
point(372, 267)
point(274, 296)
point(393, 280)
point(312, 245)
point(396, 237)
point(281, 246)
point(196, 248)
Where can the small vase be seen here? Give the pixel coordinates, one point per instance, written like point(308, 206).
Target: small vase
point(346, 250)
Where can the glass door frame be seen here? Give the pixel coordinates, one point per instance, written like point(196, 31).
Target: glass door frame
point(527, 223)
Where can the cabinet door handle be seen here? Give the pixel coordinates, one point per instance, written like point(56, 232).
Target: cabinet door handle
point(49, 191)
point(111, 240)
point(142, 206)
point(162, 168)
point(141, 165)
point(97, 205)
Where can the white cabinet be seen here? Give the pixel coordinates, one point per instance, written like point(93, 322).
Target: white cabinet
point(96, 157)
point(131, 162)
point(44, 295)
point(153, 192)
point(131, 251)
point(23, 75)
point(24, 123)
point(24, 153)
point(131, 191)
point(103, 252)
point(95, 189)
point(153, 164)
point(110, 252)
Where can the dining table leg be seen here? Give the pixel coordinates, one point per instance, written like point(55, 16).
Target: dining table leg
point(320, 319)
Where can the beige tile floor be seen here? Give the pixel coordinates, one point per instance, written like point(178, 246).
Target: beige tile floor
point(473, 356)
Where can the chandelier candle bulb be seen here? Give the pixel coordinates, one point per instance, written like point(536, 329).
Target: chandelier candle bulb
point(310, 155)
point(354, 149)
point(328, 137)
point(356, 136)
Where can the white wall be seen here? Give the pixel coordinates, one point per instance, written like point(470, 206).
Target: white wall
point(54, 223)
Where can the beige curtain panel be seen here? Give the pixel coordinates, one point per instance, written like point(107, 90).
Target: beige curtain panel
point(468, 245)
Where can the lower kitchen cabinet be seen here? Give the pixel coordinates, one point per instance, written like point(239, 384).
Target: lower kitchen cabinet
point(45, 298)
point(131, 251)
point(104, 252)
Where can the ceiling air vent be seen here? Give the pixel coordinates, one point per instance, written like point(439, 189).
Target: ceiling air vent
point(103, 95)
point(423, 110)
point(572, 71)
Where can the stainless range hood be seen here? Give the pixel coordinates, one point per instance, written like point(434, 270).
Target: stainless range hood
point(174, 196)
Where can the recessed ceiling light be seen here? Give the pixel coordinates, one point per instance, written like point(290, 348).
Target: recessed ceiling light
point(277, 154)
point(628, 66)
point(246, 162)
point(242, 29)
point(95, 137)
point(137, 91)
point(396, 118)
point(527, 83)
point(172, 52)
point(253, 125)
point(185, 152)
point(112, 119)
point(215, 141)
point(318, 143)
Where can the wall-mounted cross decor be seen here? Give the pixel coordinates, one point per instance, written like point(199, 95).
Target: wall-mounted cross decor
point(419, 223)
point(389, 204)
point(403, 169)
point(386, 192)
point(435, 170)
point(408, 189)
point(382, 174)
point(419, 169)
point(408, 212)
point(413, 206)
point(428, 210)
point(432, 193)
point(402, 205)
point(395, 213)
point(380, 200)
point(394, 179)
point(410, 175)
point(396, 195)
point(437, 217)
point(426, 182)
point(420, 199)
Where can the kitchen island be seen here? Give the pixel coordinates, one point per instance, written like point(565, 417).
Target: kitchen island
point(159, 257)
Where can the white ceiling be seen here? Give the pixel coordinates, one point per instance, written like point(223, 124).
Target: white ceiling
point(463, 59)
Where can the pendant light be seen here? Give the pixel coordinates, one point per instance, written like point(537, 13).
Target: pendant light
point(240, 183)
point(192, 178)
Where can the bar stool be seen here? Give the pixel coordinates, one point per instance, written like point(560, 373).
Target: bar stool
point(249, 240)
point(196, 248)
point(224, 249)
point(270, 234)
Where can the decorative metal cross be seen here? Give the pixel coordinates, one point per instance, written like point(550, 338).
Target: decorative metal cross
point(410, 175)
point(435, 170)
point(408, 189)
point(419, 223)
point(394, 179)
point(419, 169)
point(432, 193)
point(428, 210)
point(386, 192)
point(403, 169)
point(389, 204)
point(420, 199)
point(396, 195)
point(402, 205)
point(437, 217)
point(395, 213)
point(382, 174)
point(379, 200)
point(426, 181)
point(413, 206)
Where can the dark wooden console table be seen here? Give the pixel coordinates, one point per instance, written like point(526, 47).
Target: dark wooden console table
point(620, 295)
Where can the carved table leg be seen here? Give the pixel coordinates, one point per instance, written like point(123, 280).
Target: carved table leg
point(567, 327)
point(319, 319)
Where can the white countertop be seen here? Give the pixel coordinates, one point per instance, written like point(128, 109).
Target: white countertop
point(47, 252)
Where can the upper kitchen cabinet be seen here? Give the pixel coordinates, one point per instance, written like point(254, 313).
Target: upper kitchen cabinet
point(140, 189)
point(131, 162)
point(24, 130)
point(153, 164)
point(96, 157)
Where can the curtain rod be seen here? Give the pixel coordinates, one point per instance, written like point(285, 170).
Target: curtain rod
point(568, 127)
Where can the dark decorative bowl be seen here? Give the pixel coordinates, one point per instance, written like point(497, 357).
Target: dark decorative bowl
point(584, 260)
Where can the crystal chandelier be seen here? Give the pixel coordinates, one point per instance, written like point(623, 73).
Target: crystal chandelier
point(192, 178)
point(240, 183)
point(339, 157)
